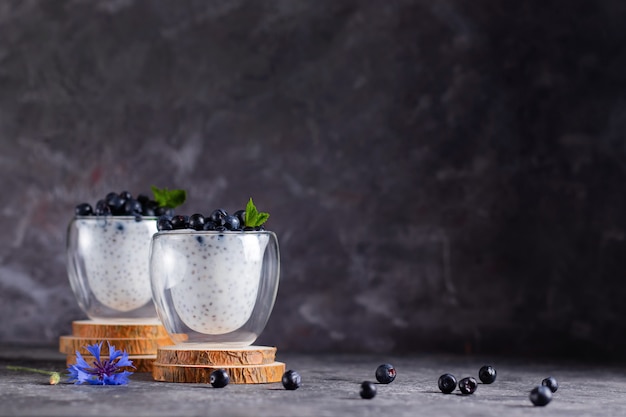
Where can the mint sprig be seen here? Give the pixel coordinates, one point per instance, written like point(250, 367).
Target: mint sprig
point(168, 198)
point(254, 218)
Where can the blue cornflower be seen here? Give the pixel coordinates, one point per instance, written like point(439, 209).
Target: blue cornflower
point(103, 372)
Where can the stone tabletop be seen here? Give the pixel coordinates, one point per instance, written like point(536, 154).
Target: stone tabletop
point(330, 387)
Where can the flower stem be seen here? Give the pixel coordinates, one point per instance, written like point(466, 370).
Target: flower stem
point(23, 368)
point(55, 377)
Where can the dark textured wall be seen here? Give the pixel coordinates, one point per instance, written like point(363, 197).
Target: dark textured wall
point(442, 175)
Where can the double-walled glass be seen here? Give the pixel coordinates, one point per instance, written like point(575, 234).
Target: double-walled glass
point(214, 288)
point(108, 266)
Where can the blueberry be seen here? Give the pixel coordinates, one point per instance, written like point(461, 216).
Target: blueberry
point(115, 203)
point(291, 380)
point(468, 385)
point(241, 215)
point(164, 211)
point(219, 378)
point(218, 216)
point(102, 208)
point(110, 195)
point(368, 390)
point(487, 374)
point(125, 195)
point(149, 207)
point(385, 373)
point(551, 383)
point(231, 223)
point(132, 207)
point(196, 221)
point(143, 199)
point(83, 209)
point(164, 223)
point(180, 222)
point(209, 225)
point(540, 395)
point(447, 383)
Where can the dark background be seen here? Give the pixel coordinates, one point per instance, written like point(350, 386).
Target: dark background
point(443, 176)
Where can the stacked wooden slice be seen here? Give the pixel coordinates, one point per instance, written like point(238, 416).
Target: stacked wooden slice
point(194, 363)
point(140, 340)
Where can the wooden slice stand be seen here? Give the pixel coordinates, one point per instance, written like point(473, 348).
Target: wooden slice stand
point(140, 339)
point(195, 363)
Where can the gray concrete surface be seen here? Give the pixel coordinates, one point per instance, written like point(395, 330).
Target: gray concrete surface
point(330, 388)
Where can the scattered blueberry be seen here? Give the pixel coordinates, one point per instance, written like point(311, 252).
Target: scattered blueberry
point(551, 383)
point(487, 374)
point(447, 383)
point(291, 380)
point(468, 385)
point(385, 373)
point(368, 390)
point(219, 378)
point(540, 395)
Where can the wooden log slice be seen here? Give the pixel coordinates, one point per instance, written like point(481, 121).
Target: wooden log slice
point(143, 363)
point(132, 346)
point(192, 355)
point(242, 374)
point(150, 329)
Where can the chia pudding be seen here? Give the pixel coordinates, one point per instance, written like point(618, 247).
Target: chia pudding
point(109, 264)
point(216, 290)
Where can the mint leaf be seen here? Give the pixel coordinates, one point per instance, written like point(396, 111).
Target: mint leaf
point(253, 217)
point(168, 198)
point(262, 218)
point(251, 213)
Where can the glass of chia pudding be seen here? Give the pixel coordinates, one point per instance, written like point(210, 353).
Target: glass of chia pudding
point(214, 288)
point(108, 266)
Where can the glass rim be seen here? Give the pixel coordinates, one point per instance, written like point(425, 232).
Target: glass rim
point(188, 231)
